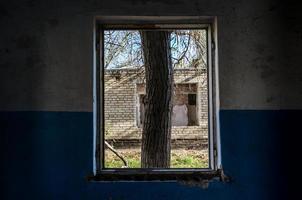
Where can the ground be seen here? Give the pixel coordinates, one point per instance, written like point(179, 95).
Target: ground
point(180, 158)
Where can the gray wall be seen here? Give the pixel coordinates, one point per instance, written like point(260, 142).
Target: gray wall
point(46, 51)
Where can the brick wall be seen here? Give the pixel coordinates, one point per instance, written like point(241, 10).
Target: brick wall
point(121, 103)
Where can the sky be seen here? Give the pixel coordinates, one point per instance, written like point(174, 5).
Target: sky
point(123, 49)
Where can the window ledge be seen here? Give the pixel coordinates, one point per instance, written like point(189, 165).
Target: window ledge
point(188, 178)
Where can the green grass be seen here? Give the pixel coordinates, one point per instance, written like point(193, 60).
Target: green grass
point(179, 159)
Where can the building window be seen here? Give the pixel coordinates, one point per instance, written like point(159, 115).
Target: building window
point(185, 110)
point(124, 102)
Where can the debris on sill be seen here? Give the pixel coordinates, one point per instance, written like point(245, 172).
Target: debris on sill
point(202, 182)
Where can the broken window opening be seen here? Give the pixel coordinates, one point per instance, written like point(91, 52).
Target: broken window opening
point(185, 109)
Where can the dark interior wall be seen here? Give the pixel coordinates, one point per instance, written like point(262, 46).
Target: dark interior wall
point(46, 50)
point(46, 97)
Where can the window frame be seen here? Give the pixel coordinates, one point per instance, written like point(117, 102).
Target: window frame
point(138, 115)
point(155, 22)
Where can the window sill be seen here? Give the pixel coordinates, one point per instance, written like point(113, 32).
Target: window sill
point(185, 177)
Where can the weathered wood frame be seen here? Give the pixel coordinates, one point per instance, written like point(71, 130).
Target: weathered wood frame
point(156, 22)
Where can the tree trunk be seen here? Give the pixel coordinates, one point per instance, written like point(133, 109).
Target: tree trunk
point(156, 138)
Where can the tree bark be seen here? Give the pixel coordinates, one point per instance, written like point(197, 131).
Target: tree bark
point(156, 136)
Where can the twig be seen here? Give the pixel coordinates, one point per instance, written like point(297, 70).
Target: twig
point(116, 153)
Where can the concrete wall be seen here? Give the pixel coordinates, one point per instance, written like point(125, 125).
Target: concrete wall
point(47, 49)
point(46, 98)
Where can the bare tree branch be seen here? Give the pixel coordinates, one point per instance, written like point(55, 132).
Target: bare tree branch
point(116, 153)
point(124, 48)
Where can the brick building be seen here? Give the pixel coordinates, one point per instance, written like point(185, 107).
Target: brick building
point(124, 108)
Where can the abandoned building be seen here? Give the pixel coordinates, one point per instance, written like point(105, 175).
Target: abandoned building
point(124, 107)
point(47, 58)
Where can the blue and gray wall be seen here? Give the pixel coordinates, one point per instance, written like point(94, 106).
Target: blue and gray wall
point(46, 98)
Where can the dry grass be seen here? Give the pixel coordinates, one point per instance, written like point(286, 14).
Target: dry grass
point(180, 158)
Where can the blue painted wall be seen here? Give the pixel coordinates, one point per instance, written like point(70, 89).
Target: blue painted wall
point(46, 155)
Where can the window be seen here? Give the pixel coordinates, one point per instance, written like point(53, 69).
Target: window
point(124, 107)
point(184, 94)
